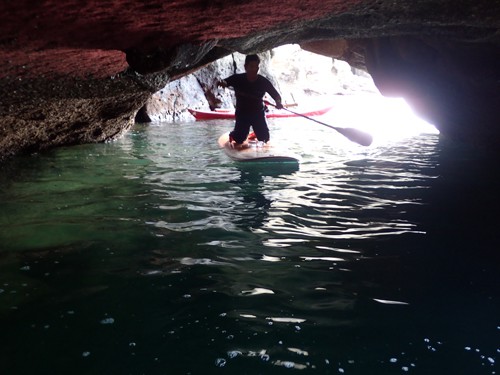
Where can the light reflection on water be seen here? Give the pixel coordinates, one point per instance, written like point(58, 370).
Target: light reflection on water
point(157, 254)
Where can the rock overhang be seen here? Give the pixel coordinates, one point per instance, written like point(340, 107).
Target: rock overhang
point(123, 50)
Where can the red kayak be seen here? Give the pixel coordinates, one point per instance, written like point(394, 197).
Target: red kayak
point(220, 114)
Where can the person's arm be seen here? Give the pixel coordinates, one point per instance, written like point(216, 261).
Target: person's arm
point(275, 95)
point(229, 81)
point(277, 99)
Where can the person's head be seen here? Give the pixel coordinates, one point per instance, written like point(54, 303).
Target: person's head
point(252, 66)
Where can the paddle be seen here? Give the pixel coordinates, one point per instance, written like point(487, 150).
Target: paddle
point(354, 135)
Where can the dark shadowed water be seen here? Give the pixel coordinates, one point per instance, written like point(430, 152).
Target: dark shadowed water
point(156, 254)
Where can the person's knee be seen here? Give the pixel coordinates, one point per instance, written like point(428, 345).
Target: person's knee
point(263, 139)
point(237, 137)
point(262, 135)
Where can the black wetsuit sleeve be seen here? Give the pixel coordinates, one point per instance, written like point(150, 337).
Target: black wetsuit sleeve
point(271, 90)
point(232, 80)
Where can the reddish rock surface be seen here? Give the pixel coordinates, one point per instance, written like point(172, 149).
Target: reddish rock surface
point(78, 71)
point(86, 37)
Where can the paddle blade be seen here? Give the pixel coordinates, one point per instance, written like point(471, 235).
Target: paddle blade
point(355, 135)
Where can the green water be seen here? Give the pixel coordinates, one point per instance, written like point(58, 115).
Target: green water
point(156, 254)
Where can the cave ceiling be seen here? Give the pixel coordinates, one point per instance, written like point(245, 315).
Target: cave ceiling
point(82, 57)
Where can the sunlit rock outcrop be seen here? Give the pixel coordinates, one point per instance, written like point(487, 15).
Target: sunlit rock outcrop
point(78, 71)
point(301, 77)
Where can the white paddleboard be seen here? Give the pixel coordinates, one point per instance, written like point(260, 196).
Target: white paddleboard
point(256, 151)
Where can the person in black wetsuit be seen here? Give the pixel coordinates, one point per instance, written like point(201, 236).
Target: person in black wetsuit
point(250, 88)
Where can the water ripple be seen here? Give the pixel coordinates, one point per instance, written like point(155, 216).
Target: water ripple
point(169, 244)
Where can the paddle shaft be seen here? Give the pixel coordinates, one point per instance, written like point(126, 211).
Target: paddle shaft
point(301, 115)
point(354, 135)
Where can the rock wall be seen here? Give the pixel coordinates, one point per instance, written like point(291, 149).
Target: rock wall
point(37, 114)
point(451, 83)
